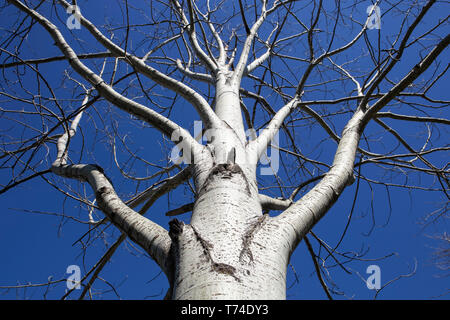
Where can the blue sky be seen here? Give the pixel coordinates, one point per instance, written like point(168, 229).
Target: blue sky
point(37, 241)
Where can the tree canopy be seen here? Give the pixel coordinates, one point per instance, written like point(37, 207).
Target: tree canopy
point(116, 85)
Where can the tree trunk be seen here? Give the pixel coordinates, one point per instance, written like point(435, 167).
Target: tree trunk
point(226, 251)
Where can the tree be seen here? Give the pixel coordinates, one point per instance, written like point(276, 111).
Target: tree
point(258, 74)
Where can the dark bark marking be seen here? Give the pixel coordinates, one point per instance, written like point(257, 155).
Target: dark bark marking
point(102, 191)
point(248, 237)
point(226, 171)
point(100, 195)
point(175, 229)
point(225, 269)
point(100, 169)
point(205, 244)
point(215, 266)
point(351, 179)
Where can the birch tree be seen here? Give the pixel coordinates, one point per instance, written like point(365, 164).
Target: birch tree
point(343, 73)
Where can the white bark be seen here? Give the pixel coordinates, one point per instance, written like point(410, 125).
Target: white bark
point(150, 236)
point(231, 251)
point(300, 217)
point(222, 253)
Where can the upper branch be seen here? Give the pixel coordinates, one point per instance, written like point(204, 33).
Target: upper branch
point(379, 77)
point(160, 122)
point(260, 60)
point(149, 235)
point(256, 147)
point(194, 75)
point(315, 61)
point(415, 72)
point(299, 218)
point(222, 51)
point(241, 66)
point(201, 105)
point(208, 61)
point(57, 58)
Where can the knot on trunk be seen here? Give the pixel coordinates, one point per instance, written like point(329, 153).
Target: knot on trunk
point(102, 192)
point(226, 171)
point(175, 229)
point(225, 269)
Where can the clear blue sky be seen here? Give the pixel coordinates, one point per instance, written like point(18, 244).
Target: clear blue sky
point(36, 246)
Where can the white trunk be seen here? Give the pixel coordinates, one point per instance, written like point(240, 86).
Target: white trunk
point(226, 252)
point(230, 250)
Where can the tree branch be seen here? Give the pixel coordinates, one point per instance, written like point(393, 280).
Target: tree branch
point(150, 236)
point(384, 73)
point(160, 122)
point(300, 217)
point(255, 148)
point(241, 65)
point(411, 118)
point(57, 58)
point(208, 61)
point(200, 104)
point(194, 75)
point(415, 72)
point(269, 203)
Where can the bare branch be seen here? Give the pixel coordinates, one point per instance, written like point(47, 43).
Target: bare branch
point(200, 104)
point(416, 71)
point(208, 61)
point(57, 58)
point(269, 203)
